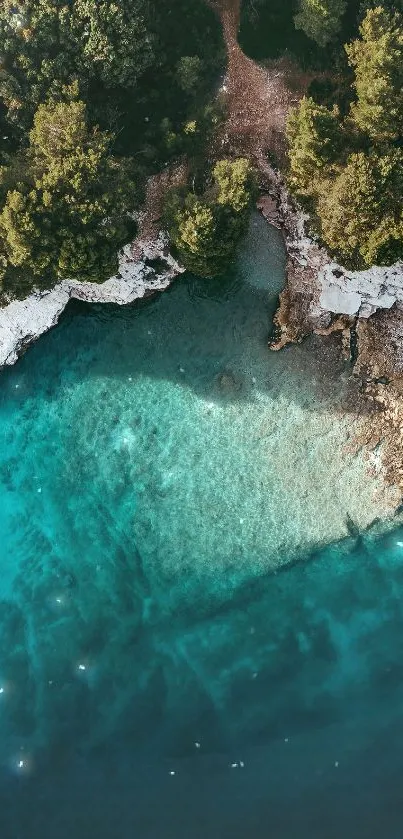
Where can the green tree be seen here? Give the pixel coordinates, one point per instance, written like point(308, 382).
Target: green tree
point(68, 214)
point(205, 230)
point(377, 60)
point(315, 139)
point(360, 211)
point(234, 183)
point(117, 44)
point(320, 19)
point(49, 43)
point(188, 73)
point(197, 232)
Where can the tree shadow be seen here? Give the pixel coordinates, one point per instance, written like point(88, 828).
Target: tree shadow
point(210, 336)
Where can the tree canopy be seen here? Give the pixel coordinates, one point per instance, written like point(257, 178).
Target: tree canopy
point(66, 215)
point(361, 212)
point(206, 229)
point(349, 170)
point(95, 95)
point(50, 44)
point(315, 141)
point(320, 19)
point(377, 60)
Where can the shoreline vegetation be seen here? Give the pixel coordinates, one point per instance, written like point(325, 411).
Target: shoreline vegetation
point(174, 115)
point(96, 99)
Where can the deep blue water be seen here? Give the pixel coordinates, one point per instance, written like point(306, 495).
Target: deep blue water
point(177, 659)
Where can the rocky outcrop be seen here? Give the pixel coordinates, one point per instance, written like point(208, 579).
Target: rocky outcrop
point(366, 307)
point(360, 293)
point(23, 321)
point(320, 294)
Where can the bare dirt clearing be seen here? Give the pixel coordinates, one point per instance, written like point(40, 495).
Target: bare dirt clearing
point(257, 98)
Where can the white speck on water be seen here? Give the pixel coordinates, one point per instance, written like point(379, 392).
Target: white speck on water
point(254, 676)
point(130, 378)
point(39, 489)
point(336, 763)
point(1, 690)
point(16, 387)
point(285, 739)
point(81, 667)
point(172, 772)
point(197, 745)
point(58, 599)
point(241, 763)
point(240, 521)
point(253, 380)
point(181, 369)
point(399, 544)
point(20, 764)
point(234, 765)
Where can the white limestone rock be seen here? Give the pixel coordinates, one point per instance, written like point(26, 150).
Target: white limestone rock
point(360, 292)
point(331, 287)
point(23, 321)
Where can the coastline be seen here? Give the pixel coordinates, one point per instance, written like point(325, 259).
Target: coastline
point(319, 297)
point(145, 267)
point(365, 307)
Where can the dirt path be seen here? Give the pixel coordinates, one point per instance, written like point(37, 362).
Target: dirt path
point(257, 101)
point(258, 98)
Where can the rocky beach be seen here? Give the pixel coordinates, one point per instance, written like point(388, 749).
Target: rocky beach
point(364, 307)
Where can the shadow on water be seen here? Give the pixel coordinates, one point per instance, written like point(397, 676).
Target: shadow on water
point(160, 702)
point(207, 335)
point(280, 710)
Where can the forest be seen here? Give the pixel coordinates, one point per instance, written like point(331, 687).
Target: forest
point(96, 95)
point(345, 156)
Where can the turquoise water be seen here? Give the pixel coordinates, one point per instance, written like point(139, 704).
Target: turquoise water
point(181, 652)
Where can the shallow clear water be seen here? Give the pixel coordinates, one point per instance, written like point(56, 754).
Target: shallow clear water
point(174, 659)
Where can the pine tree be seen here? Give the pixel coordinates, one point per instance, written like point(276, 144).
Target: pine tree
point(360, 211)
point(205, 230)
point(314, 135)
point(320, 19)
point(377, 60)
point(66, 216)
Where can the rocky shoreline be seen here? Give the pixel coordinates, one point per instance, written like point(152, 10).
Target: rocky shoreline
point(320, 296)
point(144, 268)
point(365, 307)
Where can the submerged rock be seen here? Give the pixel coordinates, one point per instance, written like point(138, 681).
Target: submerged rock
point(228, 383)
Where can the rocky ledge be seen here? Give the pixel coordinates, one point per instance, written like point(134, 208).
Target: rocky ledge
point(365, 307)
point(320, 294)
point(144, 268)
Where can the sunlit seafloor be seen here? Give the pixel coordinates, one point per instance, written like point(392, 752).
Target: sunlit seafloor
point(181, 654)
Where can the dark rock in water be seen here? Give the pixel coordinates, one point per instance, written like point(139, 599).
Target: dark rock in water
point(70, 581)
point(352, 528)
point(228, 383)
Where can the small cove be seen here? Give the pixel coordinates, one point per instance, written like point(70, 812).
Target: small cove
point(158, 464)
